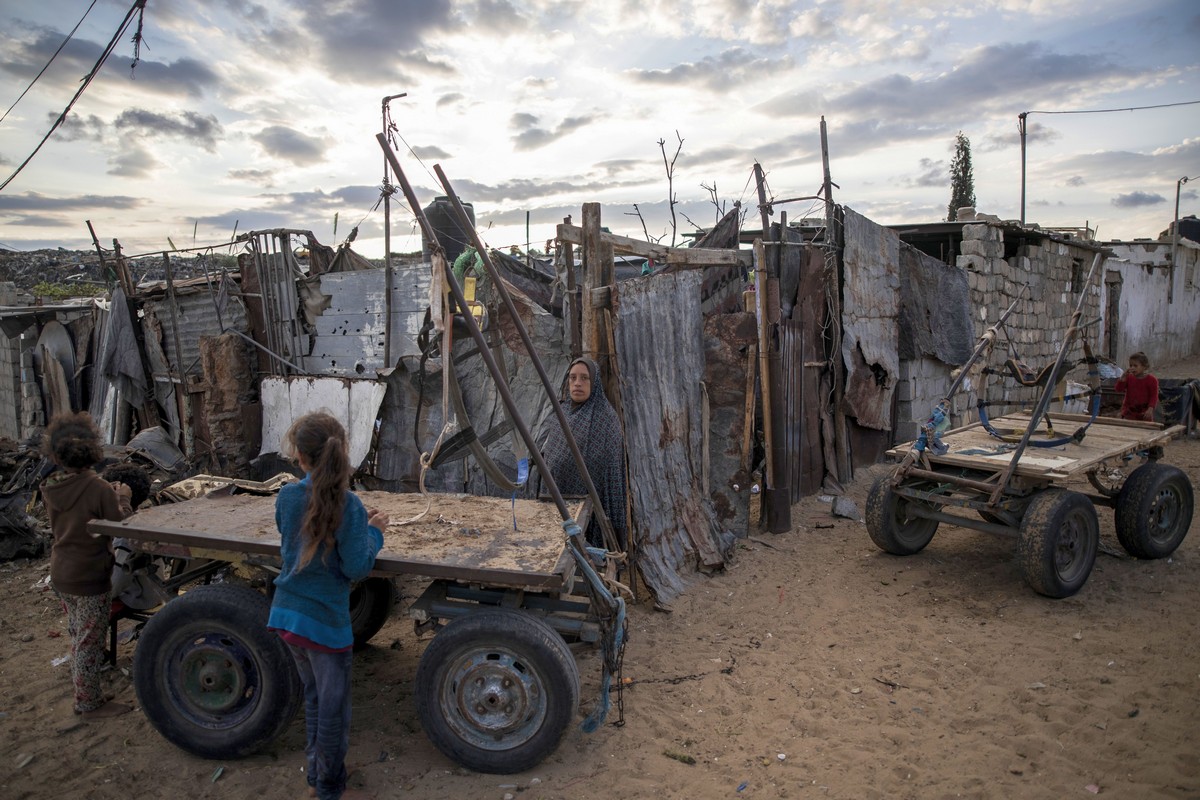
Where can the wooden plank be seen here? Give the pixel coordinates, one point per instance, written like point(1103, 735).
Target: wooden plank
point(662, 254)
point(1105, 439)
point(461, 538)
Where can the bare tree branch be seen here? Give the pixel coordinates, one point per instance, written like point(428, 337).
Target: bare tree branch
point(669, 165)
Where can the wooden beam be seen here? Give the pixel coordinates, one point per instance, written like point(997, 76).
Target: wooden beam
point(590, 242)
point(681, 256)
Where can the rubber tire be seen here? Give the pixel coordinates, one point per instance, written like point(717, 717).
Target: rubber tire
point(218, 633)
point(890, 527)
point(500, 650)
point(1154, 510)
point(1059, 539)
point(371, 604)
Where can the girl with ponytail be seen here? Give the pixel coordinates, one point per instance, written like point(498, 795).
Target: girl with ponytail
point(329, 541)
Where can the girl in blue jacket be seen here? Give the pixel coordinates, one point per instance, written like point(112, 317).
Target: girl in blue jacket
point(329, 540)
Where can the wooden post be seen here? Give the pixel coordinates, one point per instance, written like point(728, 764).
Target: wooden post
point(572, 321)
point(777, 506)
point(99, 249)
point(179, 379)
point(597, 273)
point(841, 437)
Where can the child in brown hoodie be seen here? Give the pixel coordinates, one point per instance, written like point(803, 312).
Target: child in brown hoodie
point(80, 562)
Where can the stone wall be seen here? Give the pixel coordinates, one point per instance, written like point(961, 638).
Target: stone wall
point(10, 373)
point(1055, 272)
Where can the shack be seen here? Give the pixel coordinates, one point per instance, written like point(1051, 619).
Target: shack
point(776, 360)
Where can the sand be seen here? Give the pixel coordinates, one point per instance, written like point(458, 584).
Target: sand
point(815, 666)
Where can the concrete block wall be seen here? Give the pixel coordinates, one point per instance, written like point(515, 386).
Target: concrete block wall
point(1038, 325)
point(921, 386)
point(31, 415)
point(10, 373)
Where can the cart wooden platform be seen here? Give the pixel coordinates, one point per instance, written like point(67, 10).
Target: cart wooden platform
point(496, 688)
point(1056, 526)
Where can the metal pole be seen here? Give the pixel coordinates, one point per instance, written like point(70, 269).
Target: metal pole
point(484, 350)
point(498, 282)
point(1174, 242)
point(1021, 127)
point(1044, 401)
point(387, 192)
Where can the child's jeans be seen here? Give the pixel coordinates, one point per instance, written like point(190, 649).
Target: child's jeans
point(326, 678)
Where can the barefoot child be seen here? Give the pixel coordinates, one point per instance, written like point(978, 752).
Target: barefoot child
point(329, 540)
point(80, 562)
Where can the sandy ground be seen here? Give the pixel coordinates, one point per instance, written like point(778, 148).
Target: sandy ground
point(816, 666)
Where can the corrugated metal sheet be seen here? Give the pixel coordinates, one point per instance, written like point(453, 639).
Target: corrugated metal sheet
point(197, 317)
point(350, 334)
point(870, 313)
point(660, 357)
point(802, 352)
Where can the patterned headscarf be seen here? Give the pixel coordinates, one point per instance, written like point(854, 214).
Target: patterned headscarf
point(598, 433)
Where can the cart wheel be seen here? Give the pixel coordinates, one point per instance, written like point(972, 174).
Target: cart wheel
point(211, 678)
point(891, 526)
point(496, 689)
point(1154, 511)
point(371, 604)
point(1059, 539)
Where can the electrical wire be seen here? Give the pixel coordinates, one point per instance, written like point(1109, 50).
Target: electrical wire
point(51, 61)
point(1110, 110)
point(138, 6)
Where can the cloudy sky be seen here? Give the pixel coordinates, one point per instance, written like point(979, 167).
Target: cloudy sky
point(264, 114)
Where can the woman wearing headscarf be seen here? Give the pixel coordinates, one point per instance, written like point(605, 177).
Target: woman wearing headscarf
point(597, 432)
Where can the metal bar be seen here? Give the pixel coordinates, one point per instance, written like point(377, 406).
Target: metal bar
point(271, 353)
point(986, 341)
point(498, 282)
point(916, 510)
point(484, 351)
point(1044, 401)
point(917, 472)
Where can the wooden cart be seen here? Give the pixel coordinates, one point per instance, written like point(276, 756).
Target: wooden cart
point(495, 689)
point(1056, 527)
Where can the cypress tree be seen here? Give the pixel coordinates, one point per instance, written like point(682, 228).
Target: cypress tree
point(962, 178)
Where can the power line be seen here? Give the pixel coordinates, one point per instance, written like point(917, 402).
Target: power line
point(138, 6)
point(1110, 110)
point(51, 61)
point(1021, 129)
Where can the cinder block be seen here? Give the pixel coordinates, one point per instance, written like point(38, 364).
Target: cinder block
point(972, 263)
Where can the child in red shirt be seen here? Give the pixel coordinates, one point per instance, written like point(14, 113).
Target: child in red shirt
point(1140, 388)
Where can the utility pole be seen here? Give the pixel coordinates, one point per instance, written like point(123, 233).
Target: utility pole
point(1175, 242)
point(387, 183)
point(1021, 127)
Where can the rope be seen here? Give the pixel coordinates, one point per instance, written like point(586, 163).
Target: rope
point(437, 287)
point(613, 628)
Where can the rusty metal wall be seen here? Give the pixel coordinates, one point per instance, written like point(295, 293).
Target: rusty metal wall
point(351, 338)
point(197, 316)
point(802, 352)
